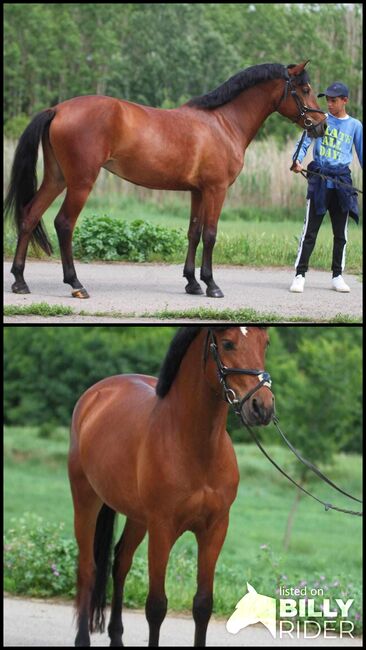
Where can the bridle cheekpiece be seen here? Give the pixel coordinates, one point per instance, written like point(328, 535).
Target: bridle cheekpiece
point(223, 372)
point(302, 108)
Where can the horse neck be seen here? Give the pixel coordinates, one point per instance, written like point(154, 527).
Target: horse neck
point(200, 412)
point(250, 109)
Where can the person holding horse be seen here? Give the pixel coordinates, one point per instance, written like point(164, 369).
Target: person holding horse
point(332, 155)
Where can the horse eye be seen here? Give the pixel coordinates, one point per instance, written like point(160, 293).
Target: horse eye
point(228, 345)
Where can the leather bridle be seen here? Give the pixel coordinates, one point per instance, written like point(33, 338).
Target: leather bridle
point(223, 372)
point(230, 396)
point(309, 125)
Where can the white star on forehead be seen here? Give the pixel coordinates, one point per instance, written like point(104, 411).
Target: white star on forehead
point(244, 330)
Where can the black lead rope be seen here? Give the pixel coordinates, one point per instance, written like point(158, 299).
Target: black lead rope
point(306, 172)
point(310, 465)
point(328, 506)
point(331, 178)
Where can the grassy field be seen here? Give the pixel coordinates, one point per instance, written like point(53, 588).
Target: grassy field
point(325, 548)
point(249, 236)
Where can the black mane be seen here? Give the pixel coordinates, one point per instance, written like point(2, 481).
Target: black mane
point(241, 81)
point(175, 354)
point(178, 347)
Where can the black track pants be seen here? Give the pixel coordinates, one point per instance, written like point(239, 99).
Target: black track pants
point(309, 234)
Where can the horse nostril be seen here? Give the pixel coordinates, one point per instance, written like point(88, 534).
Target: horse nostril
point(256, 408)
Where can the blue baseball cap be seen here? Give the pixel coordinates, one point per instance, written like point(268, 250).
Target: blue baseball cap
point(336, 90)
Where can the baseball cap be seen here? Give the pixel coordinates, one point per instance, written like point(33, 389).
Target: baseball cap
point(336, 90)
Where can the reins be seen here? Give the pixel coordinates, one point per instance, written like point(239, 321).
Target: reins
point(237, 404)
point(313, 468)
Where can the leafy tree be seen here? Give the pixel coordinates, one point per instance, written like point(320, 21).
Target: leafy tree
point(163, 54)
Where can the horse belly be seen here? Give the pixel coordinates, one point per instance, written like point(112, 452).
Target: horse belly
point(159, 150)
point(164, 172)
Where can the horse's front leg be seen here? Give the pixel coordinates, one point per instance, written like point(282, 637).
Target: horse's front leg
point(161, 541)
point(210, 543)
point(212, 209)
point(194, 236)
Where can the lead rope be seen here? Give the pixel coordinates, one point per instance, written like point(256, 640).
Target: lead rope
point(328, 506)
point(306, 172)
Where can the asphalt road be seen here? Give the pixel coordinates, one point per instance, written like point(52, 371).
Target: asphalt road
point(135, 291)
point(29, 623)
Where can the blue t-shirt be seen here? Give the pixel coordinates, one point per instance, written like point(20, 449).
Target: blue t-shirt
point(335, 147)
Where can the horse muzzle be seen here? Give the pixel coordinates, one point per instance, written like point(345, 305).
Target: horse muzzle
point(258, 411)
point(316, 130)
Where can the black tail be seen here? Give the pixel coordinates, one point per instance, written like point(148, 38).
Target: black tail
point(23, 182)
point(103, 540)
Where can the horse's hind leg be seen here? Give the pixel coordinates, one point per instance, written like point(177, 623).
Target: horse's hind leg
point(194, 235)
point(64, 224)
point(86, 509)
point(132, 536)
point(50, 188)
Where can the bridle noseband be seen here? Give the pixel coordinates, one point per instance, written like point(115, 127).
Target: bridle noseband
point(223, 372)
point(303, 110)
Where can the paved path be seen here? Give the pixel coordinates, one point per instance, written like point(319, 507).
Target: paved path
point(34, 622)
point(138, 289)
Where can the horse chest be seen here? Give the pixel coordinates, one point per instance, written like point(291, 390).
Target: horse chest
point(202, 507)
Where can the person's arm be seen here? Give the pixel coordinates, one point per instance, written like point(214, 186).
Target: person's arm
point(357, 141)
point(296, 165)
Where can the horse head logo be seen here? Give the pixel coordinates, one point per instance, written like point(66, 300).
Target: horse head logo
point(253, 608)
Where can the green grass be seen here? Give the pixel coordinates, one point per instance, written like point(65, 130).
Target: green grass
point(203, 313)
point(325, 548)
point(38, 309)
point(254, 237)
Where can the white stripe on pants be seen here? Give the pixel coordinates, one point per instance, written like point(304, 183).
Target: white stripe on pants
point(306, 221)
point(344, 247)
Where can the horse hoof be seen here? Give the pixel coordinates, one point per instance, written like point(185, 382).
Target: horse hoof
point(194, 289)
point(80, 293)
point(214, 292)
point(19, 287)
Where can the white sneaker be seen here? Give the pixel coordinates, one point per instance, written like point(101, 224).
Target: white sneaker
point(338, 284)
point(298, 284)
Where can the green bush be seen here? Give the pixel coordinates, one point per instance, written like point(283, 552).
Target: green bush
point(38, 560)
point(113, 239)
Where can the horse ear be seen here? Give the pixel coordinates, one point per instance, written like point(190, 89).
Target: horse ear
point(251, 589)
point(298, 69)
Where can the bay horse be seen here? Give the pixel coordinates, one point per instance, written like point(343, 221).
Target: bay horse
point(157, 450)
point(198, 147)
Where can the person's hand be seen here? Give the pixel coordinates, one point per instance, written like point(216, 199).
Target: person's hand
point(296, 167)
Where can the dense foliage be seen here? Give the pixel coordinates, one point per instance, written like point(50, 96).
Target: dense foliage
point(163, 54)
point(316, 374)
point(105, 238)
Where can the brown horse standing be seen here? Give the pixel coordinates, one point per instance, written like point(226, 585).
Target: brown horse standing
point(197, 147)
point(158, 451)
